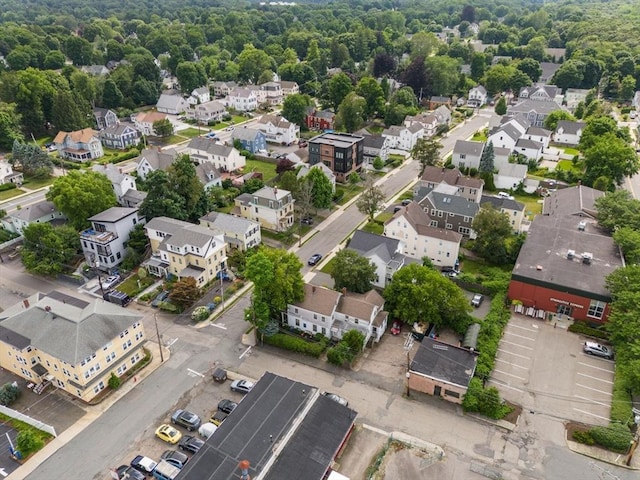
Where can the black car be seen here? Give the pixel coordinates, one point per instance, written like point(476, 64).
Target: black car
point(125, 471)
point(227, 406)
point(186, 419)
point(143, 464)
point(314, 259)
point(406, 202)
point(190, 444)
point(307, 220)
point(162, 296)
point(175, 458)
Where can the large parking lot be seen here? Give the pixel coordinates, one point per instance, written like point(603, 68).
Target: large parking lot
point(544, 369)
point(201, 400)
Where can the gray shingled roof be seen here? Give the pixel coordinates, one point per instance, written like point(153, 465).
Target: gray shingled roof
point(508, 130)
point(570, 127)
point(70, 329)
point(34, 212)
point(526, 143)
point(248, 134)
point(501, 202)
point(539, 132)
point(319, 299)
point(538, 106)
point(210, 146)
point(452, 204)
point(366, 244)
point(224, 222)
point(158, 160)
point(468, 148)
point(444, 362)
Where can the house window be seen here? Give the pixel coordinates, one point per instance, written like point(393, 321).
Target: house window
point(315, 316)
point(297, 322)
point(449, 226)
point(466, 219)
point(596, 309)
point(451, 393)
point(564, 310)
point(440, 214)
point(315, 328)
point(463, 230)
point(462, 156)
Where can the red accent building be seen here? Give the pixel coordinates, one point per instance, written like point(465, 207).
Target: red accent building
point(561, 269)
point(320, 120)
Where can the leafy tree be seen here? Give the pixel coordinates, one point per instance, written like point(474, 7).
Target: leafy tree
point(443, 73)
point(478, 65)
point(47, 249)
point(531, 67)
point(352, 271)
point(628, 240)
point(355, 340)
point(285, 165)
point(185, 182)
point(54, 60)
point(81, 195)
point(185, 292)
point(487, 159)
point(138, 239)
point(111, 95)
point(517, 80)
point(423, 44)
point(28, 441)
point(340, 354)
point(339, 86)
point(551, 122)
point(163, 128)
point(501, 106)
point(373, 95)
point(114, 381)
point(604, 184)
point(252, 185)
point(493, 229)
point(405, 96)
point(416, 77)
point(378, 163)
point(498, 78)
point(68, 114)
point(351, 112)
point(618, 209)
point(79, 50)
point(190, 75)
point(32, 159)
point(252, 62)
point(595, 129)
point(611, 157)
point(161, 199)
point(10, 129)
point(277, 280)
point(383, 64)
point(427, 152)
point(370, 201)
point(421, 294)
point(321, 188)
point(294, 108)
point(627, 88)
point(9, 393)
point(289, 182)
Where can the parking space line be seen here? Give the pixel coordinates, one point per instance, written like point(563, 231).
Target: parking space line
point(522, 328)
point(519, 336)
point(597, 368)
point(595, 378)
point(517, 345)
point(590, 400)
point(594, 389)
point(502, 384)
point(514, 354)
point(509, 374)
point(512, 364)
point(592, 414)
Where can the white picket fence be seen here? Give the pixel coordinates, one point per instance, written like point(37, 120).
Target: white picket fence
point(27, 419)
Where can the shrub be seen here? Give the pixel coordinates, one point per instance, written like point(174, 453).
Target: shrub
point(340, 354)
point(584, 329)
point(485, 401)
point(489, 336)
point(28, 441)
point(297, 344)
point(621, 406)
point(583, 437)
point(7, 186)
point(200, 313)
point(114, 381)
point(9, 393)
point(354, 340)
point(615, 437)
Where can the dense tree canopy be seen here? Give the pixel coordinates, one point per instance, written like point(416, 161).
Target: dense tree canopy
point(352, 271)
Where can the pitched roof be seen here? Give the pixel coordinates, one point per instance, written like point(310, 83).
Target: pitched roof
point(223, 222)
point(275, 120)
point(513, 170)
point(118, 129)
point(171, 101)
point(502, 202)
point(110, 171)
point(319, 299)
point(394, 130)
point(67, 327)
point(248, 134)
point(452, 203)
point(569, 127)
point(206, 172)
point(468, 148)
point(241, 92)
point(526, 143)
point(210, 146)
point(158, 159)
point(450, 176)
point(366, 244)
point(579, 200)
point(537, 106)
point(150, 117)
point(540, 132)
point(420, 220)
point(79, 136)
point(360, 305)
point(507, 129)
point(34, 211)
point(444, 362)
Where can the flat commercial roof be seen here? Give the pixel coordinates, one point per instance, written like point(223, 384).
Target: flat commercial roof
point(284, 428)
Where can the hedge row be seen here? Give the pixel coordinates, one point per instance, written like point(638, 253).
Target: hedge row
point(7, 186)
point(615, 437)
point(621, 406)
point(485, 401)
point(296, 344)
point(134, 152)
point(584, 329)
point(490, 334)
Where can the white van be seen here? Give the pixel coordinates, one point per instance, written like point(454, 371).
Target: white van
point(504, 195)
point(207, 429)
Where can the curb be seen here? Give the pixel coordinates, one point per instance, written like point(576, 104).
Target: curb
point(592, 452)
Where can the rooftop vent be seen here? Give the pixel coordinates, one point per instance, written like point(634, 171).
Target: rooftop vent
point(587, 257)
point(539, 267)
point(582, 225)
point(571, 254)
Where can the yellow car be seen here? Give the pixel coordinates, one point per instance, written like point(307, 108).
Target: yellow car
point(168, 434)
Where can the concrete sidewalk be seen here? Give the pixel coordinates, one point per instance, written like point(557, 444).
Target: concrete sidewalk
point(92, 413)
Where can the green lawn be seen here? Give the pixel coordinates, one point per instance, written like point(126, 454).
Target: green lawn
point(531, 205)
point(479, 137)
point(238, 119)
point(131, 286)
point(374, 227)
point(173, 139)
point(571, 151)
point(328, 267)
point(7, 194)
point(35, 183)
point(192, 132)
point(267, 169)
point(568, 165)
point(348, 192)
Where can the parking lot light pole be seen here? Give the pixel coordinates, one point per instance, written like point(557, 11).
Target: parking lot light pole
point(96, 266)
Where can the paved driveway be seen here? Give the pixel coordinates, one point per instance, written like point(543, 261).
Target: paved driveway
point(544, 369)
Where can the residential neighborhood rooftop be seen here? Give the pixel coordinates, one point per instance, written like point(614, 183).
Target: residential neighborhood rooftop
point(444, 362)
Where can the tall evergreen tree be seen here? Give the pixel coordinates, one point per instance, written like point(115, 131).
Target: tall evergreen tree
point(487, 159)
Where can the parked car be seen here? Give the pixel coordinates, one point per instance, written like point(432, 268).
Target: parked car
point(143, 464)
point(241, 386)
point(406, 202)
point(169, 434)
point(162, 296)
point(174, 457)
point(186, 419)
point(397, 208)
point(190, 444)
point(110, 281)
point(593, 348)
point(125, 471)
point(218, 417)
point(450, 272)
point(302, 144)
point(211, 135)
point(307, 220)
point(223, 275)
point(314, 259)
point(477, 300)
point(207, 429)
point(396, 328)
point(227, 406)
point(336, 398)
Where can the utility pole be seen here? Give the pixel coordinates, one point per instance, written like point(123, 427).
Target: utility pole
point(408, 343)
point(155, 319)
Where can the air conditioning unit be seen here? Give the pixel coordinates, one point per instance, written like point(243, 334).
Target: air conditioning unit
point(582, 225)
point(587, 257)
point(571, 254)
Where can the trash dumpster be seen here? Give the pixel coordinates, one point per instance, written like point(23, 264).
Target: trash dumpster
point(220, 375)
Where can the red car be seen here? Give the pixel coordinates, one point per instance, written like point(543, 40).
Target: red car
point(396, 328)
